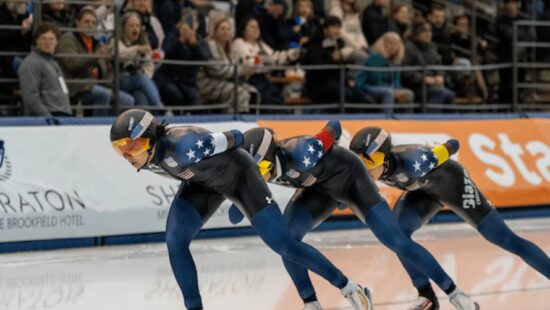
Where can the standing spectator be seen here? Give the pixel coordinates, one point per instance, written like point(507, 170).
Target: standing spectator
point(216, 82)
point(388, 51)
point(273, 27)
point(17, 40)
point(323, 86)
point(400, 21)
point(178, 84)
point(352, 33)
point(505, 49)
point(43, 88)
point(304, 24)
point(89, 68)
point(251, 50)
point(375, 24)
point(420, 51)
point(136, 66)
point(440, 34)
point(172, 11)
point(153, 28)
point(58, 12)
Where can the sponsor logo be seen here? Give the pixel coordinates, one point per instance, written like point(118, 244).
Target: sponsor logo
point(470, 195)
point(170, 162)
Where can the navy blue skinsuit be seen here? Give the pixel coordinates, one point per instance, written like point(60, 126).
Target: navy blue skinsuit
point(336, 177)
point(186, 153)
point(427, 189)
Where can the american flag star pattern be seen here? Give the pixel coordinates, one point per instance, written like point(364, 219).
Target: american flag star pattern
point(193, 148)
point(307, 153)
point(419, 163)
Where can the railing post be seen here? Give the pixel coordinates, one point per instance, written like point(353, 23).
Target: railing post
point(116, 69)
point(424, 91)
point(342, 87)
point(514, 68)
point(236, 89)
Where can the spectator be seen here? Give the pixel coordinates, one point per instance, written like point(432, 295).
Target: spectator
point(352, 34)
point(58, 12)
point(441, 37)
point(388, 51)
point(273, 27)
point(375, 24)
point(505, 48)
point(153, 28)
point(14, 14)
point(178, 84)
point(462, 38)
point(304, 24)
point(172, 11)
point(216, 82)
point(420, 51)
point(89, 68)
point(400, 21)
point(105, 14)
point(136, 66)
point(323, 86)
point(43, 88)
point(251, 50)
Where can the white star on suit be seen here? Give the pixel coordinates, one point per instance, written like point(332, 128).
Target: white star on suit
point(416, 166)
point(310, 149)
point(306, 161)
point(190, 154)
point(432, 165)
point(206, 152)
point(424, 157)
point(199, 143)
point(320, 154)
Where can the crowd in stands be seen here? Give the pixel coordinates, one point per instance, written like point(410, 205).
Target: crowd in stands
point(242, 48)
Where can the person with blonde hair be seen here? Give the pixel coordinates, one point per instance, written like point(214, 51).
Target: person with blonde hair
point(216, 81)
point(388, 51)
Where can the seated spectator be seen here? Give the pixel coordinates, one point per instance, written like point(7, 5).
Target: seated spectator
point(43, 88)
point(216, 82)
point(323, 86)
point(91, 68)
point(420, 51)
point(462, 38)
point(153, 28)
point(251, 50)
point(172, 11)
point(244, 9)
point(273, 27)
point(136, 66)
point(440, 34)
point(400, 21)
point(388, 51)
point(177, 83)
point(375, 24)
point(303, 24)
point(352, 33)
point(58, 12)
point(14, 14)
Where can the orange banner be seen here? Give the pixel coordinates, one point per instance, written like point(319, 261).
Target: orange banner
point(508, 159)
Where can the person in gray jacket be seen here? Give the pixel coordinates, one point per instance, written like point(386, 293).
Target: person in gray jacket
point(43, 88)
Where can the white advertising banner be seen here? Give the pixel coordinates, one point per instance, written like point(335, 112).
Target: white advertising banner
point(67, 182)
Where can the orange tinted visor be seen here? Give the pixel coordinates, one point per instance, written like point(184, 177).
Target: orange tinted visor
point(131, 147)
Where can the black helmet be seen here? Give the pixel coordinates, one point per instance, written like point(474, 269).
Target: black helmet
point(370, 140)
point(135, 131)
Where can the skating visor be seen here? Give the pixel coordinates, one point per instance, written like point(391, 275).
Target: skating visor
point(375, 160)
point(131, 147)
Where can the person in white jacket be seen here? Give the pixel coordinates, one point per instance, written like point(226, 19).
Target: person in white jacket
point(136, 66)
point(251, 50)
point(352, 32)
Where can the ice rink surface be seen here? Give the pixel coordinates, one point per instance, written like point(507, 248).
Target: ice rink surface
point(241, 273)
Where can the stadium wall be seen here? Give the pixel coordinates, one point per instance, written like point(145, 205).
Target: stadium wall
point(61, 185)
